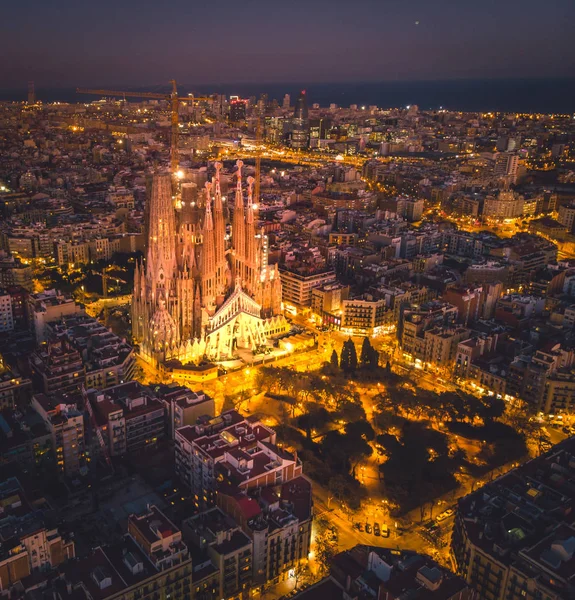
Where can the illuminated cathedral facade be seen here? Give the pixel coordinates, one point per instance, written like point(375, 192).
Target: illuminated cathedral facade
point(204, 293)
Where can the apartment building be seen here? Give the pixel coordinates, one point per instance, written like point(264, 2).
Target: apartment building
point(390, 574)
point(242, 450)
point(507, 205)
point(28, 545)
point(514, 537)
point(364, 315)
point(567, 216)
point(14, 389)
point(506, 165)
point(326, 303)
point(46, 307)
point(13, 272)
point(151, 561)
point(24, 439)
point(529, 374)
point(158, 538)
point(468, 300)
point(413, 323)
point(129, 417)
point(227, 546)
point(297, 286)
point(559, 394)
point(6, 316)
point(183, 406)
point(57, 368)
point(278, 521)
point(19, 301)
point(441, 345)
point(471, 349)
point(64, 419)
point(109, 360)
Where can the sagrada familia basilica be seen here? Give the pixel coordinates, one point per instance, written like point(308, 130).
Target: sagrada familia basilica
point(204, 293)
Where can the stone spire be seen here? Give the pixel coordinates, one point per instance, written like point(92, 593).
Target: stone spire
point(251, 240)
point(208, 254)
point(188, 224)
point(189, 212)
point(217, 188)
point(162, 234)
point(208, 219)
point(219, 235)
point(238, 224)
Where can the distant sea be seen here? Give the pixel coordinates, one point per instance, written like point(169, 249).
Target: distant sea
point(507, 95)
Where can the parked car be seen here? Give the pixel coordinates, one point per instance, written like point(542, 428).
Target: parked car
point(384, 531)
point(367, 528)
point(376, 529)
point(445, 515)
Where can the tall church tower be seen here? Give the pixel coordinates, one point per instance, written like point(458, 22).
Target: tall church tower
point(238, 228)
point(161, 258)
point(251, 262)
point(199, 294)
point(208, 257)
point(223, 273)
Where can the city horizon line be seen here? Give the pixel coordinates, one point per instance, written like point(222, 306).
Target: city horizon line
point(307, 82)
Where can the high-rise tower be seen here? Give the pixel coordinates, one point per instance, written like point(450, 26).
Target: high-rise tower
point(300, 123)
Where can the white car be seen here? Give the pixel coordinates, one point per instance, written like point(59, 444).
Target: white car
point(445, 515)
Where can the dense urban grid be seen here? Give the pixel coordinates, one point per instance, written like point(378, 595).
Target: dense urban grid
point(260, 348)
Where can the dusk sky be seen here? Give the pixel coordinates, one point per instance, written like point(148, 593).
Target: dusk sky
point(141, 42)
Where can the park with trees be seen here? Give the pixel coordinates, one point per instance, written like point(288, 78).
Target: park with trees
point(426, 443)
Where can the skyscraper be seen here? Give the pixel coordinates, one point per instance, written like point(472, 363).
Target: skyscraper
point(198, 294)
point(238, 110)
point(506, 165)
point(300, 123)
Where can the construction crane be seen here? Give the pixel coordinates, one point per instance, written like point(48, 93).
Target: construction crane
point(104, 275)
point(173, 98)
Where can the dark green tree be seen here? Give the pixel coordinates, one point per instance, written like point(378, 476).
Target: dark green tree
point(334, 360)
point(348, 358)
point(316, 417)
point(344, 358)
point(366, 353)
point(358, 450)
point(325, 551)
point(351, 411)
point(353, 355)
point(337, 488)
point(360, 429)
point(494, 408)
